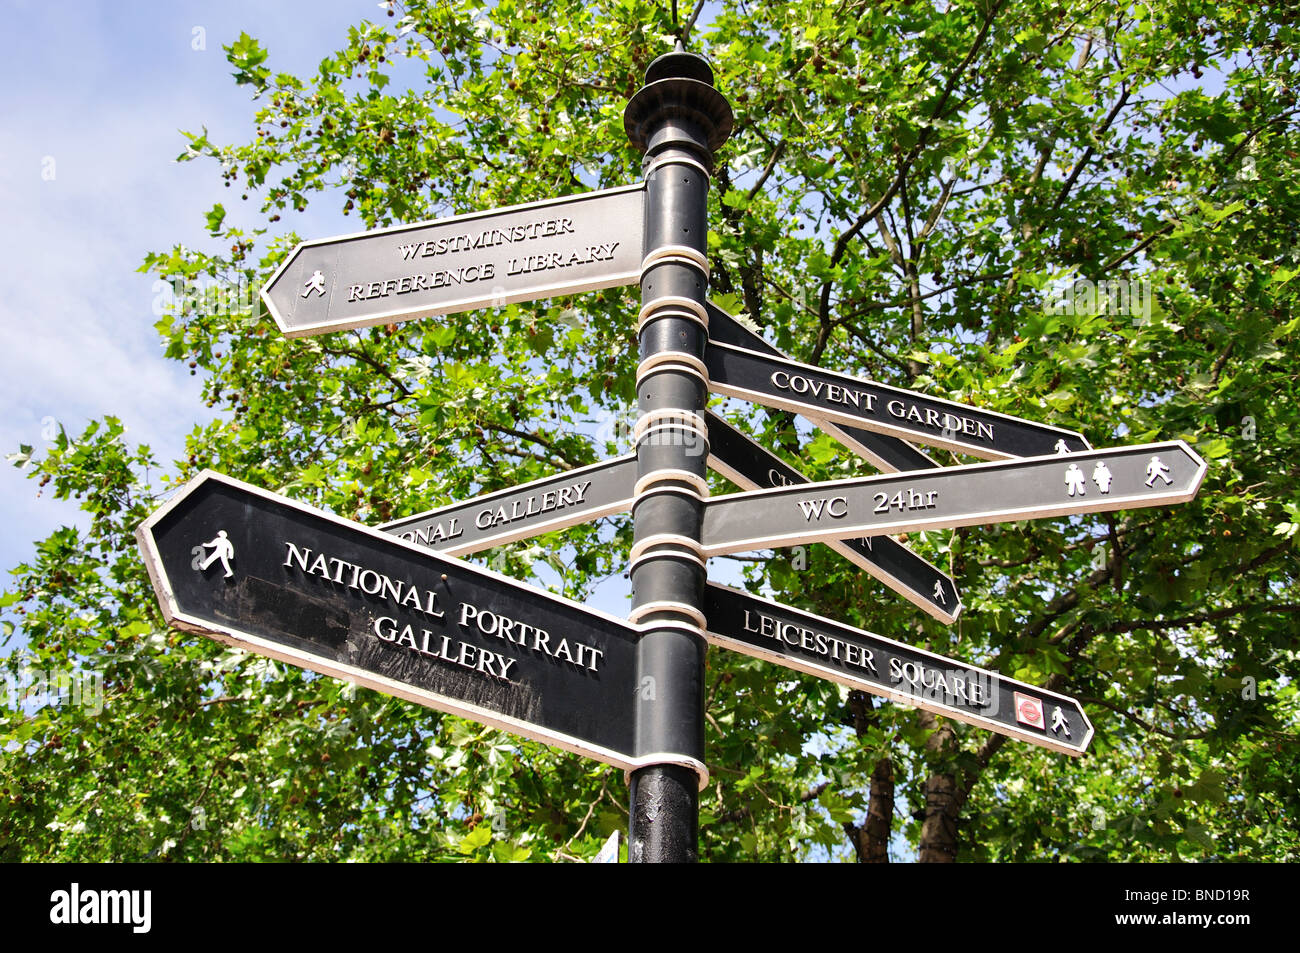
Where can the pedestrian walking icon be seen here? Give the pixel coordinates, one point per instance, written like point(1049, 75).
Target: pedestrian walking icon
point(938, 592)
point(1060, 447)
point(315, 283)
point(1157, 469)
point(1074, 478)
point(222, 550)
point(1059, 721)
point(1102, 476)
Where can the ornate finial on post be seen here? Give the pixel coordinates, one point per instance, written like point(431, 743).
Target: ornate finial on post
point(678, 92)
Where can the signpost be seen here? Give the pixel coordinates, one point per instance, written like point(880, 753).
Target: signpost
point(273, 576)
point(862, 660)
point(551, 503)
point(819, 393)
point(1098, 481)
point(485, 259)
point(677, 120)
point(392, 609)
point(751, 467)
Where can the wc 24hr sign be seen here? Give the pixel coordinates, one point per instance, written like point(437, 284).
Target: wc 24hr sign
point(1096, 481)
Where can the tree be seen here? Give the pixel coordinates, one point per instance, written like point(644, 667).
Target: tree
point(1078, 213)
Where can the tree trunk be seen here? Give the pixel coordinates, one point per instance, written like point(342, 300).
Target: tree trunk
point(871, 840)
point(942, 800)
point(874, 834)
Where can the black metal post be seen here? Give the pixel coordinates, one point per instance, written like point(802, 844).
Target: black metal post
point(678, 120)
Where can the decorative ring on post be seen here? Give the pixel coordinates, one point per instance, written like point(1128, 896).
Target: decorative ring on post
point(669, 417)
point(666, 757)
point(675, 301)
point(646, 485)
point(681, 254)
point(667, 605)
point(670, 312)
point(681, 554)
point(675, 158)
point(673, 361)
point(685, 543)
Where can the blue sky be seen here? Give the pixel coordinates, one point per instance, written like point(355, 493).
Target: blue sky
point(95, 96)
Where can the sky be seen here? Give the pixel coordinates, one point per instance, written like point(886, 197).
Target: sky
point(90, 122)
point(90, 128)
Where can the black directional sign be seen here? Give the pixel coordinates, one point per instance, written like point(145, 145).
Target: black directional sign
point(819, 393)
point(752, 467)
point(278, 578)
point(521, 512)
point(872, 663)
point(485, 259)
point(887, 453)
point(1096, 481)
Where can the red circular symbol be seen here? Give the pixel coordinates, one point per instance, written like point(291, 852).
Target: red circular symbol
point(1029, 712)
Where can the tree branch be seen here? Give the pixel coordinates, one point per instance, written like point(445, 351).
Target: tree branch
point(1144, 724)
point(1087, 153)
point(767, 171)
point(535, 438)
point(1155, 625)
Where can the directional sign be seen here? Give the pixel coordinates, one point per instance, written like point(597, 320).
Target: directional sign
point(887, 453)
point(816, 392)
point(1096, 481)
point(608, 853)
point(752, 467)
point(485, 259)
point(555, 502)
point(872, 663)
point(276, 577)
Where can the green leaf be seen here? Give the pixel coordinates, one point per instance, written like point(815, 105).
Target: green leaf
point(215, 217)
point(479, 837)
